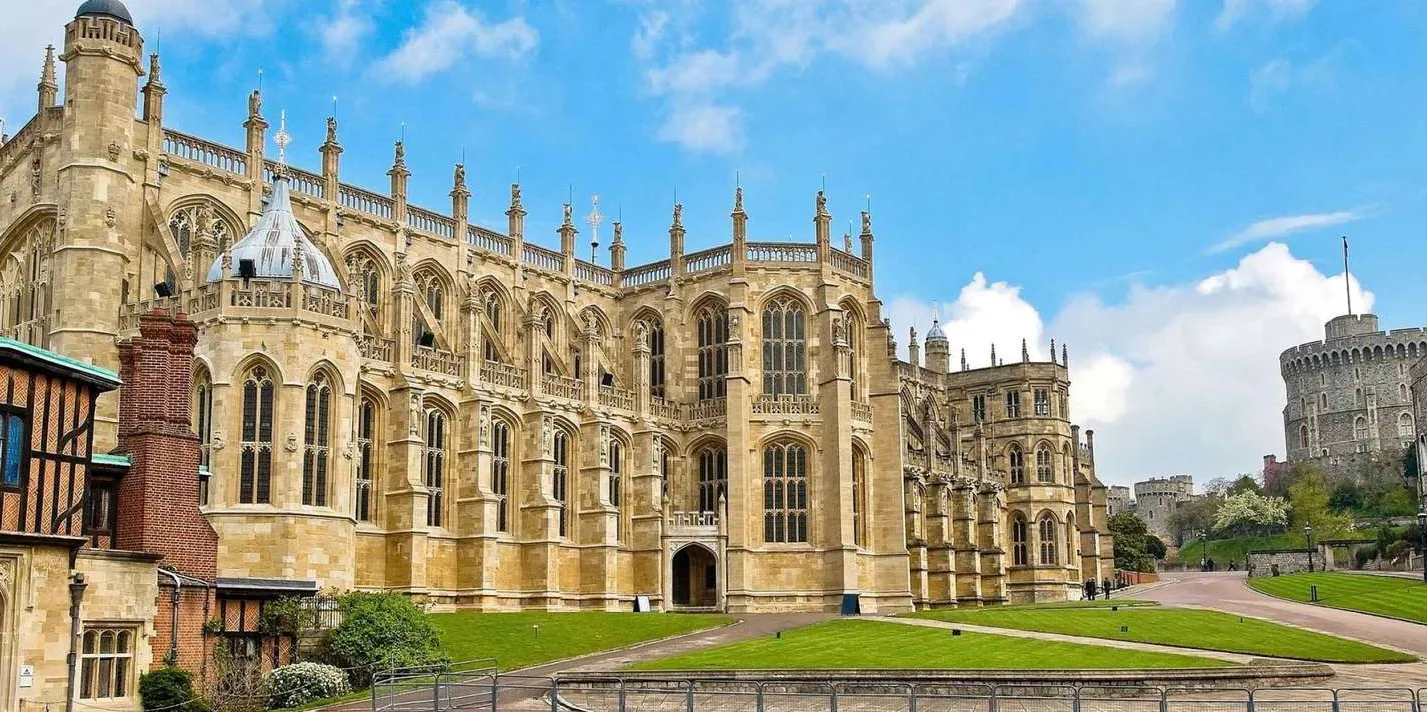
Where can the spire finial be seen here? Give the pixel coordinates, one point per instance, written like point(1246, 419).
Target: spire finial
point(1052, 350)
point(964, 366)
point(993, 353)
point(282, 139)
point(1064, 356)
point(594, 219)
point(1025, 352)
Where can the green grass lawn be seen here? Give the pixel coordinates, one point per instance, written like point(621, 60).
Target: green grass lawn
point(881, 645)
point(511, 638)
point(1207, 630)
point(1383, 595)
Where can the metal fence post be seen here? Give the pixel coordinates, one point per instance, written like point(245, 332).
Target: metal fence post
point(1163, 700)
point(554, 695)
point(1075, 701)
point(436, 694)
point(1251, 700)
point(621, 695)
point(1336, 707)
point(495, 691)
point(689, 698)
point(759, 688)
point(991, 701)
point(911, 698)
point(833, 687)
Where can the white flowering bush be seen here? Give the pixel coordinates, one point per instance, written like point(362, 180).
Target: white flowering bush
point(297, 684)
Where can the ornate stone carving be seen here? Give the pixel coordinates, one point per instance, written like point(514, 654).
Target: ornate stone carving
point(291, 444)
point(111, 218)
point(216, 441)
point(547, 436)
point(485, 428)
point(415, 413)
point(114, 151)
point(604, 445)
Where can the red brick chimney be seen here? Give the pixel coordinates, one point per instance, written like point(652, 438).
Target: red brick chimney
point(158, 498)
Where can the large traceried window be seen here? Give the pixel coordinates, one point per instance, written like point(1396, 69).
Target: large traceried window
point(616, 483)
point(1019, 537)
point(434, 470)
point(434, 293)
point(1017, 460)
point(655, 340)
point(186, 222)
point(317, 430)
point(203, 428)
point(256, 467)
point(713, 476)
point(785, 493)
point(1049, 549)
point(713, 351)
point(1044, 471)
point(785, 348)
point(106, 663)
point(561, 474)
point(500, 473)
point(366, 454)
point(24, 284)
point(369, 285)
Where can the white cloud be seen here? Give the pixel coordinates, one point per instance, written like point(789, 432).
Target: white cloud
point(1124, 19)
point(1130, 73)
point(1267, 81)
point(704, 127)
point(769, 36)
point(1184, 374)
point(341, 35)
point(1283, 226)
point(448, 34)
point(1277, 10)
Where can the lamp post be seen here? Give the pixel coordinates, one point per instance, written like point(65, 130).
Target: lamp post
point(1422, 540)
point(76, 594)
point(1308, 534)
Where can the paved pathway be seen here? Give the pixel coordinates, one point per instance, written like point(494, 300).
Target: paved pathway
point(1226, 591)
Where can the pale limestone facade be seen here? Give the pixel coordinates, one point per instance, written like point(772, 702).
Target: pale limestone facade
point(473, 418)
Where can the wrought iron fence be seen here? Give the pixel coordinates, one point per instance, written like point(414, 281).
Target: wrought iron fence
point(471, 686)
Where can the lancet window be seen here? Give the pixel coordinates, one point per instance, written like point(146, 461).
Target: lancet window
point(434, 473)
point(256, 460)
point(713, 476)
point(317, 430)
point(713, 351)
point(366, 452)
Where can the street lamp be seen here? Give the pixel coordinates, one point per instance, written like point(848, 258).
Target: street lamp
point(1422, 540)
point(77, 584)
point(1308, 534)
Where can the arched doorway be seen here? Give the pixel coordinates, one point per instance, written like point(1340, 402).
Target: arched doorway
point(695, 578)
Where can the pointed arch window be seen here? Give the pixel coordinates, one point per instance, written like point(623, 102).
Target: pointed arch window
point(655, 341)
point(547, 317)
point(370, 286)
point(366, 452)
point(186, 222)
point(713, 476)
point(1360, 428)
point(561, 477)
point(434, 466)
point(713, 351)
point(500, 473)
point(1303, 436)
point(256, 459)
point(616, 482)
point(1071, 537)
point(785, 493)
point(854, 334)
point(785, 348)
point(1404, 427)
point(495, 315)
point(1044, 471)
point(859, 492)
point(24, 284)
point(317, 430)
point(435, 294)
point(1048, 544)
point(203, 428)
point(1017, 459)
point(1019, 541)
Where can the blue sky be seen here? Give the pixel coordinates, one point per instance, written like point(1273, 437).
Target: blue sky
point(1107, 172)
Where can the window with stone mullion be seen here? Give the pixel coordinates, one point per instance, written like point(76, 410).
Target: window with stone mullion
point(1044, 473)
point(435, 467)
point(365, 431)
point(560, 477)
point(713, 352)
point(255, 467)
point(1047, 541)
point(500, 473)
point(784, 349)
point(785, 493)
point(713, 477)
point(616, 478)
point(317, 425)
point(1019, 535)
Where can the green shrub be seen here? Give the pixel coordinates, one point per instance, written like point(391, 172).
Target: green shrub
point(170, 689)
point(382, 630)
point(300, 683)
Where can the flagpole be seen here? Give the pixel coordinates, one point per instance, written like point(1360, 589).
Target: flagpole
point(1347, 279)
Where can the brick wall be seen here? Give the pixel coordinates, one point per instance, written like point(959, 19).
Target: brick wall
point(158, 498)
point(195, 607)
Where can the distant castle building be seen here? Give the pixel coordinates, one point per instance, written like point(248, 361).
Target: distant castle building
point(1119, 500)
point(1348, 398)
point(1157, 498)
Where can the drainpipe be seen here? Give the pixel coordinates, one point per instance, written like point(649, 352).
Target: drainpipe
point(76, 594)
point(172, 657)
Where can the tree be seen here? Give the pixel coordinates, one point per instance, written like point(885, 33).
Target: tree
point(1346, 497)
point(1195, 515)
point(1131, 542)
point(1251, 513)
point(1245, 483)
point(1156, 548)
point(1308, 500)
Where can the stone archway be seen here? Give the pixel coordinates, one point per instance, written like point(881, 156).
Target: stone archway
point(695, 577)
